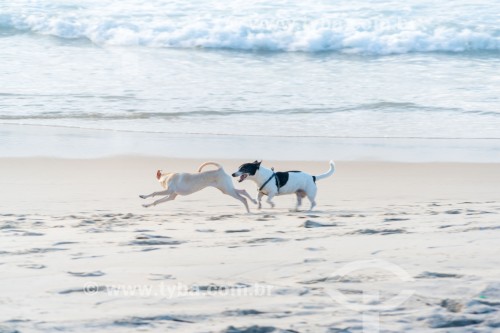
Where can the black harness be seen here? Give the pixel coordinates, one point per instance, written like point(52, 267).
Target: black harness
point(269, 179)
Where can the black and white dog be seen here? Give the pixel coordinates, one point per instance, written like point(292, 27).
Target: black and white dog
point(272, 183)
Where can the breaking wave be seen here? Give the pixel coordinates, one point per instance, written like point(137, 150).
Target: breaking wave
point(339, 32)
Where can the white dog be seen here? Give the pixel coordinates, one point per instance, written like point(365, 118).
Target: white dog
point(187, 183)
point(272, 183)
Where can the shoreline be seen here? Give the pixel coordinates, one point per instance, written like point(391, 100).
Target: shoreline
point(62, 142)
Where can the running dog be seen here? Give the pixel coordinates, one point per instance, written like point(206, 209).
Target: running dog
point(272, 183)
point(187, 183)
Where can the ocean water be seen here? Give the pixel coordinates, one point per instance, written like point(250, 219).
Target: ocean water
point(386, 73)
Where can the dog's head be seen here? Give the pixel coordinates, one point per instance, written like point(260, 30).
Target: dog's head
point(163, 177)
point(246, 170)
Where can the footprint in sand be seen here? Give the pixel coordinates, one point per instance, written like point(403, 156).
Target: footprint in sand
point(313, 260)
point(237, 230)
point(478, 212)
point(395, 219)
point(214, 287)
point(483, 228)
point(30, 233)
point(266, 240)
point(254, 329)
point(34, 251)
point(154, 242)
point(32, 266)
point(205, 230)
point(379, 231)
point(64, 243)
point(149, 249)
point(321, 248)
point(435, 275)
point(134, 322)
point(314, 224)
point(245, 312)
point(87, 274)
point(150, 236)
point(440, 321)
point(220, 217)
point(265, 217)
point(157, 276)
point(452, 305)
point(92, 290)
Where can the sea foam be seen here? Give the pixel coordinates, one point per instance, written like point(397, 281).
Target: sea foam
point(350, 32)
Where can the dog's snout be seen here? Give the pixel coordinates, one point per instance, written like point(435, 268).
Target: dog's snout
point(158, 174)
point(234, 174)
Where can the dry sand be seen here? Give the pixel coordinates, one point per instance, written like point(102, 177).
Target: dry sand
point(78, 252)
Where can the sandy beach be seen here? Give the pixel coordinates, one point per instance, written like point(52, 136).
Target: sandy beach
point(79, 253)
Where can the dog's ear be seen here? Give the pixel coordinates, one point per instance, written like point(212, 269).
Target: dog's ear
point(258, 164)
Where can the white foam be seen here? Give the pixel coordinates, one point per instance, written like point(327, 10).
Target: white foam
point(372, 31)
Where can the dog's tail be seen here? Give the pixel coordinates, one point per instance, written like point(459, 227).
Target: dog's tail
point(209, 163)
point(328, 173)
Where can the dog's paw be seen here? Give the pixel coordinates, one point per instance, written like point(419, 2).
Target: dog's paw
point(142, 196)
point(146, 205)
point(254, 201)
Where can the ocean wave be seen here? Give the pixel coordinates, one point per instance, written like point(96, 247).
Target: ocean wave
point(377, 107)
point(360, 35)
point(369, 120)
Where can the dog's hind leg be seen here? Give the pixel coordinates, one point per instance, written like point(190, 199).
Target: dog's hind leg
point(300, 194)
point(311, 196)
point(159, 201)
point(245, 193)
point(313, 204)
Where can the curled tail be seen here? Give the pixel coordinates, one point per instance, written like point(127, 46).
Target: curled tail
point(209, 163)
point(328, 173)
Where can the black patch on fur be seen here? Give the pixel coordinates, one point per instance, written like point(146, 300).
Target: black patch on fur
point(314, 179)
point(282, 178)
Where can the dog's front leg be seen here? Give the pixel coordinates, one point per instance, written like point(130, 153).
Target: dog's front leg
point(154, 194)
point(245, 193)
point(259, 199)
point(159, 201)
point(270, 197)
